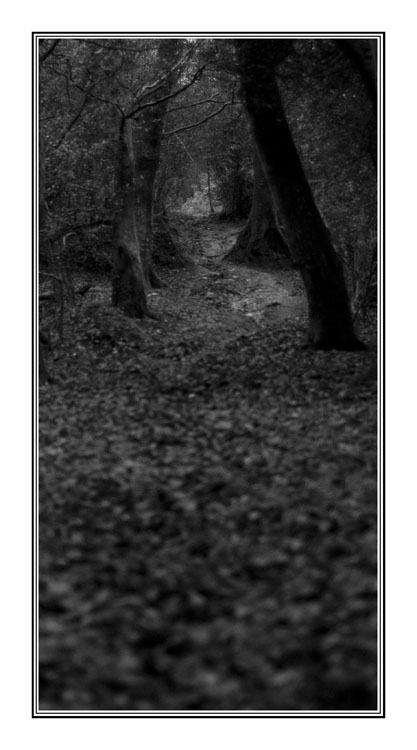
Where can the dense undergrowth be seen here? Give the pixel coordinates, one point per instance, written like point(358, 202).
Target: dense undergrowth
point(207, 507)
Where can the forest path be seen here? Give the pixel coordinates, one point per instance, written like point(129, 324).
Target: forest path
point(276, 294)
point(207, 503)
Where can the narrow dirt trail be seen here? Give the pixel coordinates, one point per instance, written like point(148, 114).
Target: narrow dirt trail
point(207, 503)
point(257, 293)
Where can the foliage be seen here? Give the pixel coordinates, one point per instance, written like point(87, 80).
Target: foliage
point(234, 170)
point(220, 144)
point(90, 250)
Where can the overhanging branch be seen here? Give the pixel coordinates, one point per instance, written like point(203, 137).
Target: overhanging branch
point(195, 78)
point(196, 124)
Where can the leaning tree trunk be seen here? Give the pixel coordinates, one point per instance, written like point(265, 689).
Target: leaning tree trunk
point(330, 320)
point(128, 283)
point(260, 240)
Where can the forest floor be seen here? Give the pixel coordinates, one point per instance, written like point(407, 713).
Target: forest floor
point(208, 497)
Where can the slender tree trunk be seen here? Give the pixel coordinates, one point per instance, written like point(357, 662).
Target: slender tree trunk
point(128, 282)
point(330, 320)
point(159, 194)
point(209, 191)
point(261, 239)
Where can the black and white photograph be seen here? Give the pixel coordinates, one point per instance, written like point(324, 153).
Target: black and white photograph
point(208, 516)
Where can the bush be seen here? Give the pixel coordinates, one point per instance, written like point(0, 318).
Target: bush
point(90, 251)
point(166, 247)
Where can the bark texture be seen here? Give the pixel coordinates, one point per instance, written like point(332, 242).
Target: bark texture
point(330, 320)
point(138, 161)
point(128, 281)
point(260, 240)
point(147, 147)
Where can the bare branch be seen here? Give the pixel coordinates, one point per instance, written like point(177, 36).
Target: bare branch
point(50, 276)
point(49, 51)
point(195, 78)
point(152, 88)
point(109, 101)
point(196, 124)
point(194, 104)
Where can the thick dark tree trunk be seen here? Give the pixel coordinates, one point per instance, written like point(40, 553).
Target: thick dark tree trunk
point(128, 283)
point(128, 290)
point(330, 320)
point(167, 248)
point(146, 165)
point(146, 168)
point(260, 240)
point(148, 140)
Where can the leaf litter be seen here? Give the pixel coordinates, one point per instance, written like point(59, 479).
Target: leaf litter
point(207, 488)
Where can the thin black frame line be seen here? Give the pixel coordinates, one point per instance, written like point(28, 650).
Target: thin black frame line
point(35, 327)
point(211, 714)
point(380, 391)
point(379, 325)
point(35, 384)
point(204, 34)
point(382, 354)
point(198, 715)
point(207, 35)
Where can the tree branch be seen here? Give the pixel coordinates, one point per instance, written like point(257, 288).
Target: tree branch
point(195, 78)
point(49, 51)
point(196, 124)
point(151, 88)
point(194, 104)
point(73, 121)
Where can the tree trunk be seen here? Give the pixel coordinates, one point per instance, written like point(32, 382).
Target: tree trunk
point(146, 168)
point(260, 240)
point(330, 320)
point(209, 191)
point(43, 372)
point(128, 287)
point(148, 139)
